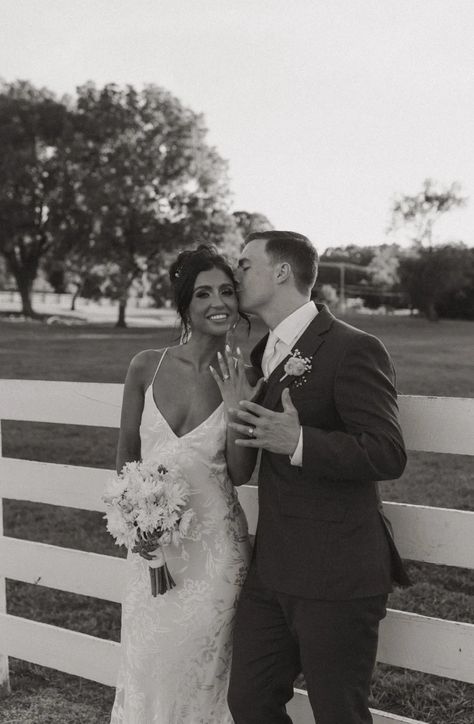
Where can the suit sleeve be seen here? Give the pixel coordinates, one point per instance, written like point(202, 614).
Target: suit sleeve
point(370, 445)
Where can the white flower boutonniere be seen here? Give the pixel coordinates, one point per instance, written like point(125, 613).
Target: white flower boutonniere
point(297, 366)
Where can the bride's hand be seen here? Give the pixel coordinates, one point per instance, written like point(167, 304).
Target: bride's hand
point(232, 380)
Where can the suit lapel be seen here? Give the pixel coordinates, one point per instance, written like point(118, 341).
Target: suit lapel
point(257, 353)
point(308, 344)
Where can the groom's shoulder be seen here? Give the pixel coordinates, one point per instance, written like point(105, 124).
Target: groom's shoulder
point(353, 337)
point(348, 331)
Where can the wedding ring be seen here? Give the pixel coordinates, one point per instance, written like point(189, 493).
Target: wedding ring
point(226, 377)
point(251, 431)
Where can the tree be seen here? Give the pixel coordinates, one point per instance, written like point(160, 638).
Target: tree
point(248, 222)
point(382, 288)
point(383, 267)
point(6, 280)
point(417, 214)
point(427, 272)
point(139, 180)
point(327, 294)
point(428, 275)
point(32, 128)
point(458, 301)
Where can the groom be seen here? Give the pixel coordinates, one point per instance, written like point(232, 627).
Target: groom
point(324, 559)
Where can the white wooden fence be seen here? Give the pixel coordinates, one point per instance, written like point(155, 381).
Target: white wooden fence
point(436, 535)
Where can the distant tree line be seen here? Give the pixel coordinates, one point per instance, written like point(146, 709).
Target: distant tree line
point(99, 190)
point(437, 282)
point(436, 279)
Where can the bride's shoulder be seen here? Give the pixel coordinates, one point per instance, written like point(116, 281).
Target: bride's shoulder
point(145, 357)
point(144, 361)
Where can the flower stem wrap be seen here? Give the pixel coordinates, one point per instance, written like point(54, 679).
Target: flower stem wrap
point(160, 577)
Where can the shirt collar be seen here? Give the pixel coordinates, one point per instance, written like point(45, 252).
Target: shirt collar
point(295, 323)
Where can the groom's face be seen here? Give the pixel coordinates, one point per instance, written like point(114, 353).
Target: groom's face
point(255, 277)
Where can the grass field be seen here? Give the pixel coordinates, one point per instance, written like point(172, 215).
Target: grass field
point(431, 359)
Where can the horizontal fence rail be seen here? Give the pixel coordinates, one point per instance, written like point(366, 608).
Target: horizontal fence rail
point(69, 403)
point(423, 533)
point(69, 651)
point(431, 424)
point(430, 645)
point(98, 659)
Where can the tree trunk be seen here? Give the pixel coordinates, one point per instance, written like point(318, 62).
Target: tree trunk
point(123, 298)
point(121, 315)
point(430, 311)
point(24, 287)
point(24, 273)
point(75, 296)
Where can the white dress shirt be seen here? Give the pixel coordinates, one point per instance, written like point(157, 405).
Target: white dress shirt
point(288, 332)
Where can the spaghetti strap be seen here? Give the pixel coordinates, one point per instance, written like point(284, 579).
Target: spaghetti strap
point(158, 366)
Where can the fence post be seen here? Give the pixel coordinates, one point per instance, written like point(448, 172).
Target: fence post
point(4, 673)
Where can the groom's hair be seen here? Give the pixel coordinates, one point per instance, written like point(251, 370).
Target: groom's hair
point(296, 250)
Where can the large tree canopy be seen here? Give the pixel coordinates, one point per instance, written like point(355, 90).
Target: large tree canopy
point(138, 180)
point(32, 128)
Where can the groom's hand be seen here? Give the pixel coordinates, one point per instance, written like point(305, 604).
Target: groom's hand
point(277, 432)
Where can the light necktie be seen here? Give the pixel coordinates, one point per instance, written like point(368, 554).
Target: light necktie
point(270, 355)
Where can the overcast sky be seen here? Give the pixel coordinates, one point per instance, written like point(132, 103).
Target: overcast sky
point(324, 110)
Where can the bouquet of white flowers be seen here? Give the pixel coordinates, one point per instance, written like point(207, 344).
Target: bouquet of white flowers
point(146, 509)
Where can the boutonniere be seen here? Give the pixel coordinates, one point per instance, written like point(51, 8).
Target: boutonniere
point(297, 366)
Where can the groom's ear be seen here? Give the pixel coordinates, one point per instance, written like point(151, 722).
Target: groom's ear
point(284, 272)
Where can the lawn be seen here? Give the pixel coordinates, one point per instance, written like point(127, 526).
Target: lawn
point(431, 359)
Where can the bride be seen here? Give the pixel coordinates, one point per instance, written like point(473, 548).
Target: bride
point(176, 648)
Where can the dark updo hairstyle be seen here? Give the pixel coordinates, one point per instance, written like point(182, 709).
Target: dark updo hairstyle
point(183, 272)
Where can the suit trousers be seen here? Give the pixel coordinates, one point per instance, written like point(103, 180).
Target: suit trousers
point(277, 636)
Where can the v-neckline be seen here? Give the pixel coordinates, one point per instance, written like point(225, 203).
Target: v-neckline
point(180, 437)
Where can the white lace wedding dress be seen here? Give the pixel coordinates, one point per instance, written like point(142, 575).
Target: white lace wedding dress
point(176, 648)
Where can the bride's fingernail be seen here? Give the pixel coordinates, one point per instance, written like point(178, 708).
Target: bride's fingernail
point(238, 350)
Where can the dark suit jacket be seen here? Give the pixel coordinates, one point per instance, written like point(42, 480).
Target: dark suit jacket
point(321, 532)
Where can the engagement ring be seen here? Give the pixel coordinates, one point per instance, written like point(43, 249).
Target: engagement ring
point(251, 431)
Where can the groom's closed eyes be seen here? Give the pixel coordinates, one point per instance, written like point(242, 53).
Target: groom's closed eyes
point(241, 263)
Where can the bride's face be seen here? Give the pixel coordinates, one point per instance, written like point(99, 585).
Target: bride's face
point(214, 308)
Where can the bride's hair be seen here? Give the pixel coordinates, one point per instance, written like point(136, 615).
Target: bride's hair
point(183, 272)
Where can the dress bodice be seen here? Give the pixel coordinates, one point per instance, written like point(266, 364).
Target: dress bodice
point(207, 440)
